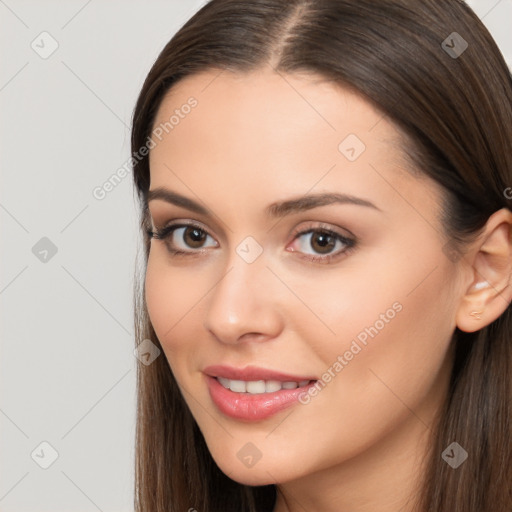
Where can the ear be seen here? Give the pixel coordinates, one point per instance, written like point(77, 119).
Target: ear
point(490, 291)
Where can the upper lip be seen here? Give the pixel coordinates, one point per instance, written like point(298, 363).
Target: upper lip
point(252, 373)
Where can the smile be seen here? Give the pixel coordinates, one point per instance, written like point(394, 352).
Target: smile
point(256, 387)
point(254, 393)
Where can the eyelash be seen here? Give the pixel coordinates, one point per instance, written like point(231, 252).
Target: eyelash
point(350, 243)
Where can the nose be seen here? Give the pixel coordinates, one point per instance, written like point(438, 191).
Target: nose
point(244, 304)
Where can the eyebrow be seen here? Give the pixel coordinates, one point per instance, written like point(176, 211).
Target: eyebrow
point(277, 209)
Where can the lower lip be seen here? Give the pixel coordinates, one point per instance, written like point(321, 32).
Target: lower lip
point(249, 407)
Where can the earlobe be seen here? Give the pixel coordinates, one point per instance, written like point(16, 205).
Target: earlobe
point(490, 291)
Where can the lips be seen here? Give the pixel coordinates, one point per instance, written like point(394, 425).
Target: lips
point(253, 373)
point(254, 405)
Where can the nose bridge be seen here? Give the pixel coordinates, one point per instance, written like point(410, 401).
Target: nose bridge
point(242, 301)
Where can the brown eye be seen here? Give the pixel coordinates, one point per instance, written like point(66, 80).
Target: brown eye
point(184, 238)
point(322, 245)
point(194, 237)
point(322, 242)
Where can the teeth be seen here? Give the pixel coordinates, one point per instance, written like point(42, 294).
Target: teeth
point(256, 387)
point(272, 385)
point(238, 386)
point(223, 381)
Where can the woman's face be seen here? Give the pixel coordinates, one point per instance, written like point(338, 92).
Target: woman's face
point(369, 318)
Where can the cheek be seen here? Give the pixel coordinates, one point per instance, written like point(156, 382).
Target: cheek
point(389, 331)
point(395, 374)
point(172, 295)
point(177, 301)
point(400, 339)
point(160, 299)
point(392, 300)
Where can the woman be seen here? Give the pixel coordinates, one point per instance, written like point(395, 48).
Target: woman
point(327, 261)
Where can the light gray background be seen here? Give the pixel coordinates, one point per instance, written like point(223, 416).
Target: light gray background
point(67, 369)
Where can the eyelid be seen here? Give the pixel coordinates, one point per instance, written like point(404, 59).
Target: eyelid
point(182, 220)
point(177, 223)
point(322, 226)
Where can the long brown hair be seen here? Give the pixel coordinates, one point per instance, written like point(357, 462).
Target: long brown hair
point(453, 105)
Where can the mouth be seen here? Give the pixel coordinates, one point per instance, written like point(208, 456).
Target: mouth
point(254, 394)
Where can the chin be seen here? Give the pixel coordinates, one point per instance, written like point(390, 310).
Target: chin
point(261, 473)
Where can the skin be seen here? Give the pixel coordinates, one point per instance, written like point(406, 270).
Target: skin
point(262, 137)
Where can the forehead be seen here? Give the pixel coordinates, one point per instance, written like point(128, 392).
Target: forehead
point(266, 109)
point(271, 103)
point(269, 135)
